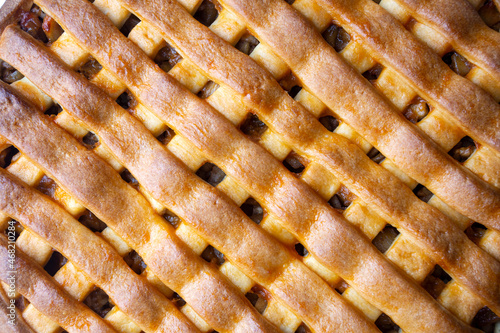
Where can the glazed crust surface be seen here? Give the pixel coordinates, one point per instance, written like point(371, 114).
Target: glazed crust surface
point(317, 65)
point(188, 116)
point(256, 253)
point(474, 39)
point(37, 285)
point(10, 11)
point(212, 215)
point(166, 255)
point(147, 306)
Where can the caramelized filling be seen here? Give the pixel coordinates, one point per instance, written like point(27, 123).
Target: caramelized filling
point(208, 12)
point(21, 303)
point(291, 84)
point(172, 219)
point(90, 68)
point(129, 178)
point(423, 193)
point(51, 29)
point(31, 23)
point(90, 140)
point(98, 302)
point(417, 110)
point(126, 100)
point(385, 238)
point(386, 325)
point(129, 24)
point(212, 255)
point(253, 127)
point(39, 25)
point(55, 263)
point(208, 89)
point(373, 73)
point(330, 122)
point(9, 73)
point(54, 110)
point(475, 232)
point(295, 163)
point(18, 228)
point(342, 287)
point(178, 301)
point(433, 285)
point(92, 222)
point(337, 37)
point(211, 173)
point(457, 63)
point(166, 136)
point(259, 298)
point(7, 156)
point(301, 250)
point(342, 199)
point(463, 150)
point(37, 11)
point(253, 210)
point(485, 320)
point(167, 58)
point(47, 186)
point(375, 155)
point(135, 262)
point(436, 281)
point(490, 15)
point(247, 43)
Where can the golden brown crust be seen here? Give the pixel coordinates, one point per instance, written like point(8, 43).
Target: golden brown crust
point(20, 325)
point(320, 229)
point(147, 307)
point(96, 185)
point(47, 297)
point(10, 10)
point(300, 129)
point(106, 58)
point(342, 89)
point(461, 24)
point(248, 247)
point(474, 110)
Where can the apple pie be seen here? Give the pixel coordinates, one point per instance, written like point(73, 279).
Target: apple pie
point(250, 166)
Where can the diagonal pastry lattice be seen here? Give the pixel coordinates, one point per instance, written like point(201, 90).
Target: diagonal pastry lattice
point(327, 175)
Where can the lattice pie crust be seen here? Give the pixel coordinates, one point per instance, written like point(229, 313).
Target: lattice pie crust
point(250, 166)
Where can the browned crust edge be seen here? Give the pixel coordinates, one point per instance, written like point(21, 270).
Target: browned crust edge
point(86, 39)
point(10, 11)
point(43, 292)
point(20, 326)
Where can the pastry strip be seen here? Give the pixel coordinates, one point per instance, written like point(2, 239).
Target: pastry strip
point(20, 324)
point(97, 186)
point(322, 71)
point(10, 11)
point(115, 48)
point(41, 290)
point(250, 248)
point(132, 294)
point(460, 23)
point(278, 200)
point(188, 46)
point(471, 108)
